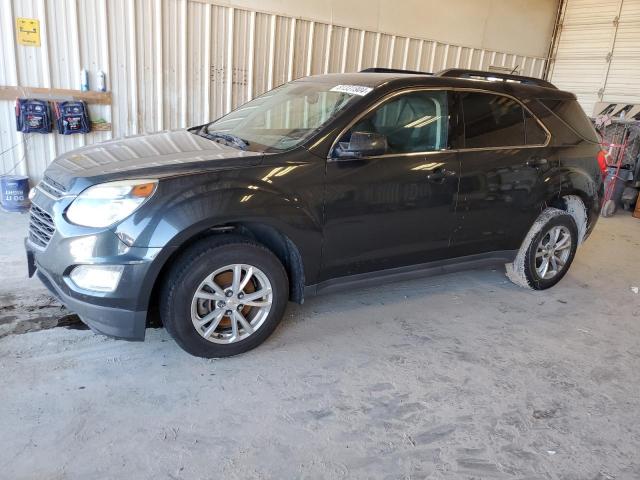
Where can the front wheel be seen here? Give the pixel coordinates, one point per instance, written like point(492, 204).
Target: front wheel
point(224, 296)
point(547, 252)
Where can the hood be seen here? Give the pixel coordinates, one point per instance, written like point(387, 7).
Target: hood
point(153, 155)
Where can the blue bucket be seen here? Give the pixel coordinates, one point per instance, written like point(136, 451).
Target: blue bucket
point(14, 191)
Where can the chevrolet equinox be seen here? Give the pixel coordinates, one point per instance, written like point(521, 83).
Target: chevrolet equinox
point(327, 182)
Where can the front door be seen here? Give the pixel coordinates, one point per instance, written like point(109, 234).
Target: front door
point(396, 207)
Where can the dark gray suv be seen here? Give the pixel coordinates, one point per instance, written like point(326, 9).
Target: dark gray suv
point(326, 182)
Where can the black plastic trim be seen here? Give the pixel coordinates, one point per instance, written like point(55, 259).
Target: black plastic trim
point(410, 272)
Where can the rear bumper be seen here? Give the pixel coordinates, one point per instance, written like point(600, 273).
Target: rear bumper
point(114, 322)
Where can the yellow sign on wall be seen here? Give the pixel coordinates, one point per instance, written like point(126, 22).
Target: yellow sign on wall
point(28, 31)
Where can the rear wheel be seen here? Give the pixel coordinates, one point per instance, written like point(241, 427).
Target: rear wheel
point(547, 252)
point(224, 296)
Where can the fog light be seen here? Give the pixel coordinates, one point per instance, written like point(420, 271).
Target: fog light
point(100, 278)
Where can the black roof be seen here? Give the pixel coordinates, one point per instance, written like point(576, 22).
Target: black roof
point(516, 85)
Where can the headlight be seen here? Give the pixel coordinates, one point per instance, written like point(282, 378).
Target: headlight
point(107, 203)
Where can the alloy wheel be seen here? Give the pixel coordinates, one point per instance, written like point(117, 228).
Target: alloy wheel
point(231, 303)
point(552, 252)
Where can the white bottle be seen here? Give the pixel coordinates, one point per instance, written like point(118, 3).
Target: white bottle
point(101, 81)
point(84, 80)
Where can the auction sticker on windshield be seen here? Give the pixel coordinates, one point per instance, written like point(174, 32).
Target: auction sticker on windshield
point(352, 89)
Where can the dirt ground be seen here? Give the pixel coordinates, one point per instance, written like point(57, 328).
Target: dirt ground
point(463, 376)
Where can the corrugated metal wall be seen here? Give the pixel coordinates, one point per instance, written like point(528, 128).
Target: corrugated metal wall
point(597, 54)
point(174, 63)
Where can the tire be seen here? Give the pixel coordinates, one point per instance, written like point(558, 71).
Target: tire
point(194, 276)
point(538, 247)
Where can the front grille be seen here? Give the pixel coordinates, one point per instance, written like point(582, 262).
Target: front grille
point(53, 188)
point(41, 226)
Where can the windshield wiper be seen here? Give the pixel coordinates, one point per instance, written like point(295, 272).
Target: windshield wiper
point(224, 138)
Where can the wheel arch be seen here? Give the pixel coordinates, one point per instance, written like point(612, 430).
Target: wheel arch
point(579, 205)
point(277, 242)
point(575, 205)
point(569, 188)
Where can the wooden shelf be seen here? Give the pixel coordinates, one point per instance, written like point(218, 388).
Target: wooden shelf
point(13, 92)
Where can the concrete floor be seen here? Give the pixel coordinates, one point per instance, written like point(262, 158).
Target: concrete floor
point(463, 376)
point(25, 304)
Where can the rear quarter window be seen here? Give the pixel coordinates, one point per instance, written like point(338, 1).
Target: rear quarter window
point(534, 133)
point(571, 114)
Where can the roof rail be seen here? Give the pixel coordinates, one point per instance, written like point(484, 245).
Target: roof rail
point(480, 74)
point(392, 70)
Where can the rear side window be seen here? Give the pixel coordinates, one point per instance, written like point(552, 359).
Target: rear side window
point(534, 133)
point(412, 122)
point(492, 121)
point(572, 114)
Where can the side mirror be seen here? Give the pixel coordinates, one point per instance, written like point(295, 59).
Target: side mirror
point(362, 144)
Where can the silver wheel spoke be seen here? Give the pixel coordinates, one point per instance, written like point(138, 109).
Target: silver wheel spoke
point(556, 235)
point(539, 254)
point(245, 280)
point(544, 267)
point(215, 287)
point(212, 328)
point(234, 328)
point(554, 265)
point(564, 243)
point(210, 316)
point(255, 295)
point(245, 324)
point(559, 261)
point(253, 303)
point(237, 273)
point(209, 296)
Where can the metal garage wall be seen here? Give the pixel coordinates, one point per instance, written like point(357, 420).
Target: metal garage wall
point(597, 54)
point(174, 63)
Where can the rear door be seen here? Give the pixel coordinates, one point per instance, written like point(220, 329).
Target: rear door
point(503, 162)
point(397, 208)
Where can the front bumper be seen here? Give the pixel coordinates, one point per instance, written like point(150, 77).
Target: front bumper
point(121, 313)
point(114, 322)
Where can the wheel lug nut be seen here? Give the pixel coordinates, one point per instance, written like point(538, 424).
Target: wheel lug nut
point(229, 293)
point(240, 307)
point(240, 295)
point(221, 304)
point(228, 312)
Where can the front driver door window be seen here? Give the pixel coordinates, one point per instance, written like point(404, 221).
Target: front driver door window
point(411, 123)
point(392, 205)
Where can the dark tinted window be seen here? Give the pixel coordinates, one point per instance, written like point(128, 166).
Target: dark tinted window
point(413, 122)
point(534, 133)
point(492, 121)
point(570, 112)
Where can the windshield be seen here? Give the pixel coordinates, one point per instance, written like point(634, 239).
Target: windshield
point(284, 117)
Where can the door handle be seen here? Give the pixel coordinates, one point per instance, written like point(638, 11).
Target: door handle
point(536, 162)
point(439, 175)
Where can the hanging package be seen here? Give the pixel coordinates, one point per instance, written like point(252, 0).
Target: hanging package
point(33, 115)
point(72, 117)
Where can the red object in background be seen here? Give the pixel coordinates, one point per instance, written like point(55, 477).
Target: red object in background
point(618, 156)
point(602, 162)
